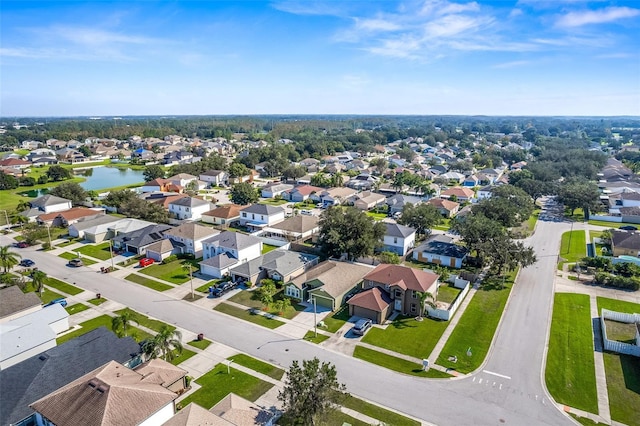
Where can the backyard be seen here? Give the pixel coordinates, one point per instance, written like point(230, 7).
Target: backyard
point(570, 373)
point(447, 293)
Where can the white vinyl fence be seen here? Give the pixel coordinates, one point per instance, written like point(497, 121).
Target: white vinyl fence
point(447, 314)
point(613, 345)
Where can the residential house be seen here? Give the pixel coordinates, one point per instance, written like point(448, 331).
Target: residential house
point(143, 155)
point(278, 265)
point(392, 288)
point(240, 411)
point(398, 239)
point(14, 303)
point(186, 238)
point(301, 193)
point(223, 216)
point(309, 162)
point(225, 250)
point(183, 179)
point(397, 202)
point(48, 204)
point(109, 395)
point(163, 373)
point(624, 198)
point(337, 196)
point(368, 200)
point(188, 208)
point(215, 177)
point(364, 181)
point(194, 415)
point(30, 334)
point(453, 177)
point(274, 189)
point(138, 240)
point(625, 243)
point(327, 283)
point(162, 198)
point(518, 166)
point(470, 181)
point(446, 208)
point(462, 195)
point(161, 185)
point(95, 228)
point(441, 250)
point(39, 375)
point(491, 175)
point(15, 163)
point(260, 215)
point(68, 217)
point(485, 192)
point(180, 157)
point(294, 228)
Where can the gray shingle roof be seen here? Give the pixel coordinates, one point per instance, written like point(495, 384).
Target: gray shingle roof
point(48, 200)
point(283, 261)
point(233, 240)
point(443, 246)
point(263, 209)
point(395, 230)
point(13, 300)
point(189, 202)
point(220, 261)
point(144, 236)
point(33, 378)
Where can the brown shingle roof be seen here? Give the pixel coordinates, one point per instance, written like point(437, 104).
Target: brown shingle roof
point(71, 214)
point(373, 299)
point(192, 231)
point(13, 300)
point(445, 204)
point(112, 395)
point(458, 191)
point(300, 223)
point(160, 372)
point(336, 277)
point(404, 277)
point(225, 212)
point(195, 415)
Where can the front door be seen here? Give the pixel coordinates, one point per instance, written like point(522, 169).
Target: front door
point(398, 305)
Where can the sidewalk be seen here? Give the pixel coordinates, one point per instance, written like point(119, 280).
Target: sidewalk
point(601, 375)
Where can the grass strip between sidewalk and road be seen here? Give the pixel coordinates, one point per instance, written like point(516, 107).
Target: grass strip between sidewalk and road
point(148, 282)
point(570, 374)
point(246, 315)
point(377, 412)
point(396, 364)
point(257, 365)
point(63, 286)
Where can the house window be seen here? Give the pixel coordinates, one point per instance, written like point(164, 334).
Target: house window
point(413, 308)
point(244, 214)
point(395, 240)
point(398, 294)
point(253, 216)
point(414, 294)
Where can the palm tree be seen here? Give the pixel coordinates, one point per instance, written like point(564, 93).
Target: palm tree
point(8, 258)
point(426, 298)
point(38, 279)
point(164, 344)
point(119, 324)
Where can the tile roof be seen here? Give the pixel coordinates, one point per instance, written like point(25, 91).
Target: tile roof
point(35, 377)
point(404, 277)
point(13, 300)
point(374, 299)
point(111, 395)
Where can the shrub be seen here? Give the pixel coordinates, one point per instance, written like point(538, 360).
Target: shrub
point(629, 283)
point(170, 259)
point(46, 246)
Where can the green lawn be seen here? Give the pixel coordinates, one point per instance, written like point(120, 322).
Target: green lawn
point(244, 314)
point(585, 421)
point(407, 336)
point(48, 296)
point(97, 302)
point(448, 293)
point(63, 286)
point(266, 248)
point(617, 305)
point(336, 320)
point(570, 373)
point(573, 246)
point(273, 202)
point(391, 362)
point(184, 355)
point(623, 385)
point(376, 216)
point(144, 320)
point(216, 384)
point(75, 308)
point(171, 272)
point(250, 299)
point(67, 243)
point(477, 326)
point(615, 225)
point(377, 412)
point(130, 261)
point(103, 320)
point(257, 365)
point(200, 344)
point(311, 337)
point(445, 224)
point(68, 255)
point(533, 219)
point(147, 282)
point(100, 251)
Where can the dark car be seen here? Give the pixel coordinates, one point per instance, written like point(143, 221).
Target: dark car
point(628, 228)
point(60, 301)
point(222, 288)
point(361, 327)
point(27, 263)
point(22, 244)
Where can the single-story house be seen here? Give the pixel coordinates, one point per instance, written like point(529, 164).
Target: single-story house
point(369, 200)
point(441, 250)
point(397, 202)
point(163, 373)
point(625, 243)
point(223, 215)
point(69, 217)
point(461, 194)
point(137, 241)
point(327, 283)
point(336, 196)
point(95, 228)
point(14, 303)
point(294, 228)
point(447, 208)
point(275, 189)
point(301, 193)
point(278, 265)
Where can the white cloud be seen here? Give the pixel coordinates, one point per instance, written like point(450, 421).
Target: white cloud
point(600, 16)
point(512, 64)
point(375, 25)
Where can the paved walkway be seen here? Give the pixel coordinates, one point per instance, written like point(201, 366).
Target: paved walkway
point(601, 375)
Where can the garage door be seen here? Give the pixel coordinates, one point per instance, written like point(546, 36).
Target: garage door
point(324, 301)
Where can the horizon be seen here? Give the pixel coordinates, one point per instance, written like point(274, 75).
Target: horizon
point(517, 58)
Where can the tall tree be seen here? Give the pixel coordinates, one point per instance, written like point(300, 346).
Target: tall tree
point(310, 392)
point(166, 344)
point(421, 217)
point(580, 193)
point(8, 258)
point(38, 279)
point(120, 323)
point(508, 205)
point(243, 193)
point(152, 172)
point(238, 170)
point(57, 173)
point(349, 231)
point(71, 191)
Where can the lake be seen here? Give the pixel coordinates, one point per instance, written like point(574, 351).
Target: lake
point(108, 177)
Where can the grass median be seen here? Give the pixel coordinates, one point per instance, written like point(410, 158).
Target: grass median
point(257, 365)
point(63, 286)
point(148, 282)
point(246, 315)
point(570, 373)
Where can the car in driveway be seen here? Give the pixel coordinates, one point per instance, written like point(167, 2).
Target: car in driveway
point(628, 228)
point(145, 261)
point(27, 263)
point(75, 262)
point(221, 288)
point(361, 326)
point(60, 301)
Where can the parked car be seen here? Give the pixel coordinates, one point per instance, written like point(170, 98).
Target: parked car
point(22, 244)
point(27, 263)
point(222, 288)
point(60, 301)
point(628, 228)
point(146, 261)
point(361, 326)
point(76, 262)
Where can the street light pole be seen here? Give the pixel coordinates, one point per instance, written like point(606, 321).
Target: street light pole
point(49, 233)
point(315, 321)
point(113, 268)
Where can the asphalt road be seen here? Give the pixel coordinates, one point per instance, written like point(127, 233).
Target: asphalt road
point(511, 393)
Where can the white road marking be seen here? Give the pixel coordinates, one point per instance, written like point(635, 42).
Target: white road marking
point(497, 374)
point(480, 381)
point(500, 386)
point(474, 379)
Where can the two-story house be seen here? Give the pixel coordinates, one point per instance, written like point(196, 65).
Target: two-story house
point(227, 249)
point(257, 216)
point(215, 177)
point(392, 288)
point(398, 239)
point(188, 208)
point(186, 238)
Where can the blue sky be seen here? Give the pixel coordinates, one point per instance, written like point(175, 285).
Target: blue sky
point(524, 57)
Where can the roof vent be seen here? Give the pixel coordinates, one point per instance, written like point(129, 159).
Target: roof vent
point(93, 383)
point(101, 389)
point(43, 357)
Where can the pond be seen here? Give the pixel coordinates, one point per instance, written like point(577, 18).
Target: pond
point(108, 177)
